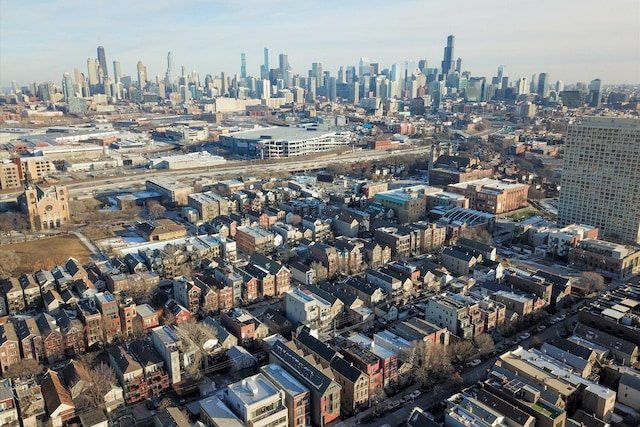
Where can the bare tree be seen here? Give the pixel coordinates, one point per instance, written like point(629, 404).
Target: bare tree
point(478, 234)
point(164, 403)
point(196, 338)
point(98, 381)
point(9, 262)
point(155, 209)
point(295, 220)
point(321, 271)
point(484, 343)
point(592, 281)
point(462, 350)
point(23, 368)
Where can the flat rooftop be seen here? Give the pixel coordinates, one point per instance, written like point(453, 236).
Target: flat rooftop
point(279, 133)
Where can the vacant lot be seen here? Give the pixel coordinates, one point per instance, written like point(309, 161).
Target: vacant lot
point(46, 253)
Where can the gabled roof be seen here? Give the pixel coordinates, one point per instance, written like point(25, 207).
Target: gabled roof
point(305, 372)
point(458, 254)
point(474, 244)
point(123, 360)
point(268, 264)
point(144, 353)
point(571, 347)
point(346, 369)
point(46, 325)
point(314, 345)
point(54, 393)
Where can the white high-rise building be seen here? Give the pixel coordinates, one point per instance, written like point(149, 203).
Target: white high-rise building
point(601, 176)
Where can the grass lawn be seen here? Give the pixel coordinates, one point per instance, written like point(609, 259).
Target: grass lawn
point(523, 214)
point(48, 252)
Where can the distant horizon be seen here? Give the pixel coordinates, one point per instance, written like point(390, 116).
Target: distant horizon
point(572, 41)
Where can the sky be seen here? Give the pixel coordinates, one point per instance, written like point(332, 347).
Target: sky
point(571, 40)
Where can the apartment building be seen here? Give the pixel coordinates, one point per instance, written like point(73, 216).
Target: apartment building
point(324, 391)
point(209, 205)
point(609, 259)
point(560, 241)
point(409, 204)
point(257, 402)
point(172, 193)
point(296, 395)
point(456, 314)
point(308, 309)
point(607, 196)
point(492, 196)
point(254, 239)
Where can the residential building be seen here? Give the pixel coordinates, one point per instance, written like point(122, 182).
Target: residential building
point(214, 413)
point(57, 399)
point(282, 274)
point(257, 402)
point(495, 197)
point(324, 391)
point(254, 239)
point(409, 204)
point(607, 196)
point(609, 259)
point(453, 312)
point(388, 358)
point(8, 408)
point(209, 205)
point(243, 325)
point(9, 346)
point(354, 383)
point(296, 395)
point(308, 309)
point(560, 241)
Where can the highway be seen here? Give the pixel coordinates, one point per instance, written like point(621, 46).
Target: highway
point(132, 178)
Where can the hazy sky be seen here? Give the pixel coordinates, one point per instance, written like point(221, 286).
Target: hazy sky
point(571, 40)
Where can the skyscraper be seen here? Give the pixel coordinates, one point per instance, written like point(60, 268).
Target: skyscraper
point(67, 86)
point(284, 62)
point(600, 183)
point(265, 67)
point(543, 85)
point(142, 74)
point(316, 71)
point(447, 62)
point(102, 60)
point(116, 71)
point(459, 65)
point(595, 93)
point(170, 78)
point(243, 66)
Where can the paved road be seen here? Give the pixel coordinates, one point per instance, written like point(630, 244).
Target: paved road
point(470, 376)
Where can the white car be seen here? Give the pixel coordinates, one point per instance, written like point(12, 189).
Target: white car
point(525, 336)
point(415, 394)
point(474, 363)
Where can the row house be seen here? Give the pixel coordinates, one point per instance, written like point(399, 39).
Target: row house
point(129, 373)
point(146, 318)
point(140, 370)
point(77, 378)
point(302, 272)
point(9, 346)
point(320, 229)
point(402, 241)
point(84, 288)
point(369, 293)
point(62, 277)
point(29, 337)
point(13, 296)
point(370, 364)
point(324, 390)
point(57, 399)
point(254, 239)
point(113, 322)
point(529, 284)
point(227, 275)
point(208, 296)
point(296, 396)
point(308, 309)
point(266, 281)
point(89, 314)
point(350, 255)
point(180, 313)
point(31, 291)
point(243, 325)
point(127, 315)
point(52, 338)
point(325, 255)
point(187, 293)
point(152, 365)
point(388, 358)
point(250, 286)
point(45, 280)
point(354, 382)
point(280, 272)
point(73, 334)
point(376, 255)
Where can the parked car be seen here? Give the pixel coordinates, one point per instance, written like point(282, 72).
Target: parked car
point(525, 336)
point(415, 394)
point(541, 328)
point(474, 363)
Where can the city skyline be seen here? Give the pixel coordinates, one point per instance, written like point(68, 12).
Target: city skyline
point(210, 37)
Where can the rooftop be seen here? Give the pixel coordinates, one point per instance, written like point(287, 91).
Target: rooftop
point(252, 390)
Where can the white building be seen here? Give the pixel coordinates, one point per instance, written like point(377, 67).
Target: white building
point(257, 402)
point(307, 308)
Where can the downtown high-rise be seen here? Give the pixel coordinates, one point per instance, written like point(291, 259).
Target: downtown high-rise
point(448, 62)
point(600, 183)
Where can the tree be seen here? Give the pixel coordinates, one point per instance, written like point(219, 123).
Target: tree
point(155, 209)
point(321, 271)
point(295, 220)
point(9, 262)
point(196, 338)
point(431, 362)
point(164, 403)
point(462, 350)
point(23, 368)
point(477, 234)
point(592, 281)
point(98, 381)
point(484, 343)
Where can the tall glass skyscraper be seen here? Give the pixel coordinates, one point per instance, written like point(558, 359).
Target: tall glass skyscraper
point(102, 60)
point(447, 63)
